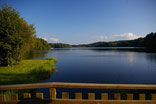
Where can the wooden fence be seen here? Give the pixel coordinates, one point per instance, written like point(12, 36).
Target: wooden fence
point(78, 96)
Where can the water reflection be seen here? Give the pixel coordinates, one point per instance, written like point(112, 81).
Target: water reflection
point(36, 54)
point(130, 51)
point(103, 65)
point(107, 65)
point(151, 57)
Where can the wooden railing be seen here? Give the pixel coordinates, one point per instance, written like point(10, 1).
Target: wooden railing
point(78, 96)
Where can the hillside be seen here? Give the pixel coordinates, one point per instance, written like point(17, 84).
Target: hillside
point(149, 41)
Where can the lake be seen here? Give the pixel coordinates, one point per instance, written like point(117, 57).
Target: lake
point(102, 65)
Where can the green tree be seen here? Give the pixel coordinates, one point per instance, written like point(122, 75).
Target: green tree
point(60, 45)
point(41, 44)
point(150, 40)
point(16, 36)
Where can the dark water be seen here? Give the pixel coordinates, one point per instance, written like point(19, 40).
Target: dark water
point(103, 65)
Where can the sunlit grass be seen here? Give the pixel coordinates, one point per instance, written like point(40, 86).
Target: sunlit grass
point(27, 71)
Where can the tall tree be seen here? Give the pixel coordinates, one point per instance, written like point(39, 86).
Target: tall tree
point(16, 36)
point(150, 40)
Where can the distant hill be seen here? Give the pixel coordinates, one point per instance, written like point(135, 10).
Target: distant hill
point(149, 41)
point(60, 45)
point(123, 43)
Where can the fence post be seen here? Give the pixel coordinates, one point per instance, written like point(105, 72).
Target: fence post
point(52, 93)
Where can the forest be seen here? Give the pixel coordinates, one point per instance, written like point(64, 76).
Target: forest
point(17, 37)
point(149, 42)
point(60, 45)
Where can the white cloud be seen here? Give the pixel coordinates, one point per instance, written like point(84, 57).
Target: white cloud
point(125, 36)
point(52, 39)
point(101, 37)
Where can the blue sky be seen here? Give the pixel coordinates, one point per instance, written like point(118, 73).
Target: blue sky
point(87, 21)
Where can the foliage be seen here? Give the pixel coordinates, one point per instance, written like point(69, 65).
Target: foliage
point(16, 36)
point(149, 42)
point(60, 45)
point(27, 71)
point(124, 43)
point(41, 44)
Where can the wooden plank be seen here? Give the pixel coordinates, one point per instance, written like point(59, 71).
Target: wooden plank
point(2, 98)
point(78, 85)
point(52, 93)
point(153, 97)
point(104, 96)
point(117, 96)
point(78, 96)
point(61, 101)
point(39, 96)
point(75, 101)
point(14, 97)
point(65, 95)
point(26, 96)
point(142, 97)
point(129, 96)
point(91, 96)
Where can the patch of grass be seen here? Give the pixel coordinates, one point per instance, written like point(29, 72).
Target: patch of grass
point(27, 71)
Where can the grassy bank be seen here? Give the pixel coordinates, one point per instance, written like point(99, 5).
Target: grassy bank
point(27, 71)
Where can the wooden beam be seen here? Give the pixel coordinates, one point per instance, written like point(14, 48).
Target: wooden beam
point(78, 85)
point(65, 95)
point(142, 97)
point(52, 93)
point(2, 98)
point(26, 96)
point(74, 101)
point(103, 86)
point(91, 96)
point(117, 96)
point(153, 97)
point(14, 97)
point(129, 96)
point(40, 96)
point(104, 96)
point(78, 96)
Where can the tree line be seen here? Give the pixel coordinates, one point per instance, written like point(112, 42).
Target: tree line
point(149, 42)
point(60, 45)
point(17, 37)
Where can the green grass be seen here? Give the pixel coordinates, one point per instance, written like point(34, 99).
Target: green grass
point(27, 71)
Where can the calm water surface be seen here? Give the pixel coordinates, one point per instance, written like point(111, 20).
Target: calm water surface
point(100, 65)
point(103, 65)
